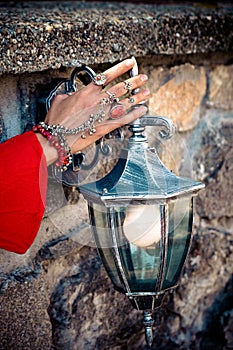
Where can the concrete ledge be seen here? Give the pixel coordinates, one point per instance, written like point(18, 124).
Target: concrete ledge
point(36, 36)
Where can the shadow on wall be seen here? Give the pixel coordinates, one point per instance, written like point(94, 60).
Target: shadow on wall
point(218, 324)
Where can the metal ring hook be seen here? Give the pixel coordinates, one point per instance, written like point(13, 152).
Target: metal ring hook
point(71, 82)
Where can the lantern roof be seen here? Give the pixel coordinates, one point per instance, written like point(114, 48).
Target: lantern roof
point(139, 175)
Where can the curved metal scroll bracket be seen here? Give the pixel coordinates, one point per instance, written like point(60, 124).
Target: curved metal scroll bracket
point(70, 177)
point(69, 83)
point(102, 147)
point(168, 128)
point(53, 92)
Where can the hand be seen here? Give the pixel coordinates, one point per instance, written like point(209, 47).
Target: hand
point(72, 111)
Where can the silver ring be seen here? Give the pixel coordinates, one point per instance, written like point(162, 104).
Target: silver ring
point(99, 79)
point(69, 93)
point(117, 111)
point(112, 97)
point(128, 85)
point(131, 100)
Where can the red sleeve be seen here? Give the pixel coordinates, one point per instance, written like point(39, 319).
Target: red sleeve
point(23, 184)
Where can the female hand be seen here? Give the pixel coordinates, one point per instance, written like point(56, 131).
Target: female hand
point(72, 111)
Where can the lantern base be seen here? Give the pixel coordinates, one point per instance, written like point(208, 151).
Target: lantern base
point(146, 302)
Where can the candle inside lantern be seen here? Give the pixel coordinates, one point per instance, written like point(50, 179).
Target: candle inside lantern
point(142, 225)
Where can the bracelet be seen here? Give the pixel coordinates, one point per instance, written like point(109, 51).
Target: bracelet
point(60, 144)
point(88, 125)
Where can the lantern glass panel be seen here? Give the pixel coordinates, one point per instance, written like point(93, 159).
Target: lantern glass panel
point(143, 246)
point(102, 235)
point(179, 238)
point(141, 265)
point(128, 239)
point(139, 245)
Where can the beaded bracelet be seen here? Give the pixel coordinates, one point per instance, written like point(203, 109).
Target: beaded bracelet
point(60, 144)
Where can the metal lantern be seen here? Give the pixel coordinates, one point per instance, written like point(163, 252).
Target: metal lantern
point(141, 213)
point(141, 216)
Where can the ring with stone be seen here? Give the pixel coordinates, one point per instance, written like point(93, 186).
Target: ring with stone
point(131, 100)
point(128, 85)
point(117, 111)
point(99, 79)
point(112, 97)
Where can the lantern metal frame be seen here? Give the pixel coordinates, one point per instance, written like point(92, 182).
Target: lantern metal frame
point(124, 184)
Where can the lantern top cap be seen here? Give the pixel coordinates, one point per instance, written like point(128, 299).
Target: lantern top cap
point(139, 175)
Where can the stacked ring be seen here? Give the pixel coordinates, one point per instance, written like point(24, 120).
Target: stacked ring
point(128, 85)
point(112, 97)
point(99, 79)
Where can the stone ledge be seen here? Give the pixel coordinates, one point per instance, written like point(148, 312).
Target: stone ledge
point(36, 36)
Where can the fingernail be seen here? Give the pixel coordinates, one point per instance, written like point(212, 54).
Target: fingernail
point(146, 93)
point(144, 77)
point(129, 62)
point(142, 110)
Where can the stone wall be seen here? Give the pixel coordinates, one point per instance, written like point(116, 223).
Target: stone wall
point(57, 295)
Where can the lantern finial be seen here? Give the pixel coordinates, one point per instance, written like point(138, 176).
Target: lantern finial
point(148, 323)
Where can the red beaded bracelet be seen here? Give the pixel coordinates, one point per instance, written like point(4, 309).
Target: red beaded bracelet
point(60, 144)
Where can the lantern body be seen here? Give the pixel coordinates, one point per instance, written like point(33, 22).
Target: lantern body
point(141, 216)
point(146, 270)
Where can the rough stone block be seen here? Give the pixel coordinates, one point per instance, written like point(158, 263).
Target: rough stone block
point(24, 319)
point(212, 145)
point(178, 94)
point(221, 87)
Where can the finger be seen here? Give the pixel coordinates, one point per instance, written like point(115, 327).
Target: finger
point(111, 74)
point(135, 99)
point(116, 71)
point(130, 84)
point(102, 129)
point(117, 109)
point(126, 119)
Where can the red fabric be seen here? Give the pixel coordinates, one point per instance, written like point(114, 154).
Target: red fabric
point(23, 184)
